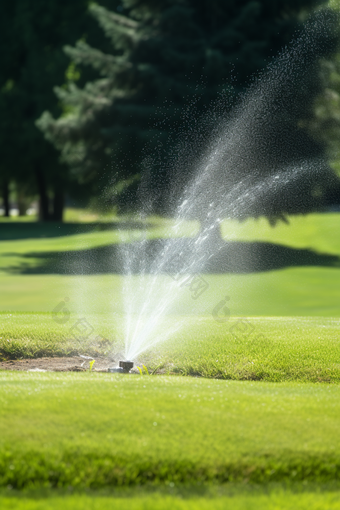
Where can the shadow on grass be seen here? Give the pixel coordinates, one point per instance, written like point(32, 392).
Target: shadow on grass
point(36, 230)
point(231, 257)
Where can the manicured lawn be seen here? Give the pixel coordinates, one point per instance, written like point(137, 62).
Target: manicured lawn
point(308, 284)
point(96, 430)
point(267, 348)
point(256, 426)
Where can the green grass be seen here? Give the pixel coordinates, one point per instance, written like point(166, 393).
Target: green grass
point(97, 430)
point(256, 348)
point(238, 498)
point(174, 442)
point(314, 231)
point(312, 290)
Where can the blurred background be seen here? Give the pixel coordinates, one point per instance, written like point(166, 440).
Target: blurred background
point(103, 108)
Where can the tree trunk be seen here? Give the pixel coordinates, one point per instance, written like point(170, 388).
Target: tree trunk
point(44, 213)
point(5, 197)
point(58, 204)
point(22, 203)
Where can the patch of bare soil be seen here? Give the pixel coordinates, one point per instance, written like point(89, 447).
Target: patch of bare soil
point(71, 364)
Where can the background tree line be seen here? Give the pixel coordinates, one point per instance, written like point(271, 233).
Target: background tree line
point(123, 82)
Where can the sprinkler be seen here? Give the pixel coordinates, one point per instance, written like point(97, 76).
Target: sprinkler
point(124, 367)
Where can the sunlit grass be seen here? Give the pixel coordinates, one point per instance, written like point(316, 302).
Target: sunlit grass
point(96, 430)
point(253, 348)
point(292, 291)
point(272, 497)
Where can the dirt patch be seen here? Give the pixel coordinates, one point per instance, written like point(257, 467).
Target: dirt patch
point(71, 364)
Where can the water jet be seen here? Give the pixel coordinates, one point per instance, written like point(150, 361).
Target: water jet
point(257, 162)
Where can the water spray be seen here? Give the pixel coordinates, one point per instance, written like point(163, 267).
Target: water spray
point(123, 368)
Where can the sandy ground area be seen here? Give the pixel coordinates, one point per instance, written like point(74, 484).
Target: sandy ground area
point(71, 364)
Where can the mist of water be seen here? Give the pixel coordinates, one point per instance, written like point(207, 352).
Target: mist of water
point(245, 168)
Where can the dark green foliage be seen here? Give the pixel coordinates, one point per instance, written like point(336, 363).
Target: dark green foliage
point(325, 125)
point(32, 34)
point(165, 56)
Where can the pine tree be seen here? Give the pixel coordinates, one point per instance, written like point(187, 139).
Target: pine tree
point(165, 55)
point(325, 124)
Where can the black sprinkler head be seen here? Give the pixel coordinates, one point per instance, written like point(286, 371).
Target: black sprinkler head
point(124, 368)
point(126, 365)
